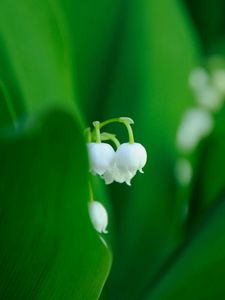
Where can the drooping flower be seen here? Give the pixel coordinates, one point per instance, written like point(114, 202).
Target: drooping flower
point(183, 171)
point(129, 158)
point(101, 157)
point(117, 175)
point(98, 216)
point(197, 123)
point(209, 98)
point(218, 79)
point(198, 79)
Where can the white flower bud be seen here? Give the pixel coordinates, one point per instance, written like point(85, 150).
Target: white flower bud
point(101, 157)
point(197, 123)
point(218, 79)
point(130, 158)
point(198, 79)
point(209, 98)
point(115, 174)
point(98, 216)
point(183, 171)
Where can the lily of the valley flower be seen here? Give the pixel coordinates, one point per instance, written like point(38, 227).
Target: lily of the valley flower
point(101, 157)
point(98, 216)
point(117, 175)
point(196, 124)
point(120, 166)
point(129, 158)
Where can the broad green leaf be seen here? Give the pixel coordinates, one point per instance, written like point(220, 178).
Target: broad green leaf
point(35, 56)
point(49, 249)
point(198, 269)
point(95, 36)
point(208, 18)
point(7, 113)
point(150, 86)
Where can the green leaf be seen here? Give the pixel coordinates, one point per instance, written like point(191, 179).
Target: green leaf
point(209, 32)
point(35, 56)
point(198, 272)
point(95, 31)
point(7, 113)
point(49, 249)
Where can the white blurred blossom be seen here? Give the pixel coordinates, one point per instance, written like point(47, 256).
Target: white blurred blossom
point(198, 79)
point(218, 80)
point(183, 171)
point(196, 124)
point(209, 98)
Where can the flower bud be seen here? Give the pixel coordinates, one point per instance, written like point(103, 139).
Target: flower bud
point(98, 216)
point(196, 124)
point(115, 174)
point(131, 158)
point(101, 157)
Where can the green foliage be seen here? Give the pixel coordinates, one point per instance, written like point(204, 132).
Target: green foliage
point(49, 248)
point(63, 63)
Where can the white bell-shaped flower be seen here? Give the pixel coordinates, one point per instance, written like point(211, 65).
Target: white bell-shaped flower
point(218, 79)
point(101, 157)
point(198, 79)
point(98, 216)
point(196, 124)
point(183, 171)
point(115, 174)
point(209, 98)
point(130, 158)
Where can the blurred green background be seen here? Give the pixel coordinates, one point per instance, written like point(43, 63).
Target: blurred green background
point(64, 64)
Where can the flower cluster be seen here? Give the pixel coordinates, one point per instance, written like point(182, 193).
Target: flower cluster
point(208, 87)
point(119, 165)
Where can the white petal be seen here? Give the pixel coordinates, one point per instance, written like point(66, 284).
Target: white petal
point(130, 157)
point(218, 79)
point(101, 157)
point(197, 123)
point(198, 79)
point(209, 98)
point(183, 171)
point(108, 177)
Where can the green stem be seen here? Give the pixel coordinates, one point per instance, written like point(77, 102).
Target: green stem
point(105, 136)
point(124, 120)
point(91, 195)
point(113, 120)
point(97, 131)
point(88, 135)
point(130, 132)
